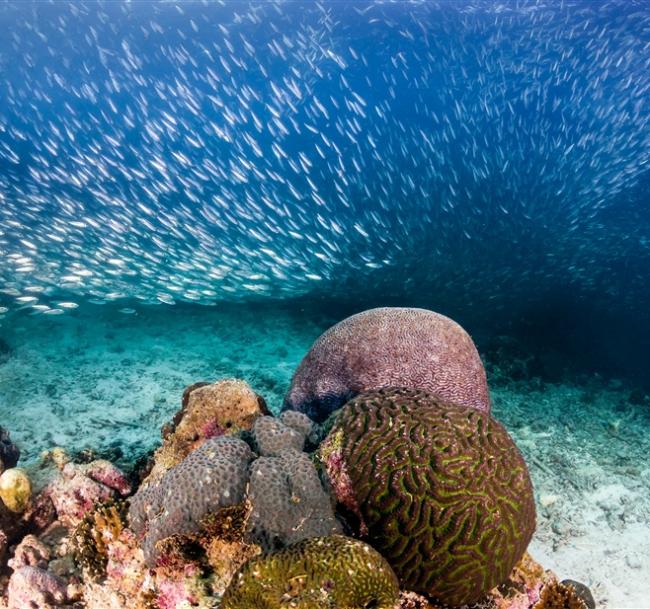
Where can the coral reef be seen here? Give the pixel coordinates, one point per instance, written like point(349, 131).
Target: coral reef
point(90, 540)
point(442, 483)
point(15, 489)
point(441, 490)
point(207, 411)
point(316, 573)
point(289, 502)
point(9, 452)
point(211, 477)
point(389, 347)
point(559, 596)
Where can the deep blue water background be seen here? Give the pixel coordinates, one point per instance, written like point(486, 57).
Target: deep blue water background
point(506, 184)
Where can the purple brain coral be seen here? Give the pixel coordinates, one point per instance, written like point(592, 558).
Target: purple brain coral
point(389, 347)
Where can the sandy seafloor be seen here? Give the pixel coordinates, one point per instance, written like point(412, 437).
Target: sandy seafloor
point(106, 381)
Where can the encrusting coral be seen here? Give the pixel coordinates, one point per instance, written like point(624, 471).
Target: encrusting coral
point(317, 573)
point(389, 347)
point(76, 488)
point(440, 490)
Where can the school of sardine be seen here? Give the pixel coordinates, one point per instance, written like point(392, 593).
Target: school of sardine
point(211, 151)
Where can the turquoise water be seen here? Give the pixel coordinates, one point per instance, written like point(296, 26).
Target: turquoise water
point(104, 380)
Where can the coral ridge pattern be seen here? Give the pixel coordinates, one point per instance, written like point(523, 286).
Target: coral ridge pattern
point(442, 489)
point(389, 347)
point(317, 573)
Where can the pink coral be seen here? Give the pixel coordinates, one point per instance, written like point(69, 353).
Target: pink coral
point(389, 347)
point(180, 590)
point(35, 588)
point(79, 487)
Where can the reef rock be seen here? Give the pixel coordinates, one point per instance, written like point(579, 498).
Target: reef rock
point(35, 588)
point(9, 452)
point(389, 347)
point(77, 488)
point(30, 552)
point(439, 489)
point(208, 410)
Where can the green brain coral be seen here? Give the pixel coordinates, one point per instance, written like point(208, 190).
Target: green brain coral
point(441, 490)
point(332, 572)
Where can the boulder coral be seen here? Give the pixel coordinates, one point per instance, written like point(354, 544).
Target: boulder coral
point(316, 573)
point(289, 502)
point(439, 489)
point(389, 347)
point(15, 489)
point(209, 478)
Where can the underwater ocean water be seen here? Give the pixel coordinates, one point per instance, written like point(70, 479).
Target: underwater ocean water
point(192, 191)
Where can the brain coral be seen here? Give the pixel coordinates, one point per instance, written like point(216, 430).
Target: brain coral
point(317, 573)
point(211, 477)
point(443, 492)
point(389, 347)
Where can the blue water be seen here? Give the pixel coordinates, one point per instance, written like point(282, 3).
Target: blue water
point(486, 159)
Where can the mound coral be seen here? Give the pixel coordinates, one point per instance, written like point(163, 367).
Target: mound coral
point(440, 490)
point(209, 478)
point(317, 573)
point(15, 489)
point(389, 347)
point(290, 430)
point(289, 502)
